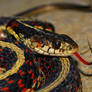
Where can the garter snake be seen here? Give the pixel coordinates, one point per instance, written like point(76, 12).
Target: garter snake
point(28, 38)
point(34, 53)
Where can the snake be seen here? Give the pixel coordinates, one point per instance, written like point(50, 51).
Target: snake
point(33, 58)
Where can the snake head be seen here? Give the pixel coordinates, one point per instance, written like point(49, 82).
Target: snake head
point(64, 46)
point(57, 45)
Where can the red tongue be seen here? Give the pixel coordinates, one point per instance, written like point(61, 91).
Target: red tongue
point(81, 59)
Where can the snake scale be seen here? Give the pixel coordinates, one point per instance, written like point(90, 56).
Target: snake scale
point(35, 59)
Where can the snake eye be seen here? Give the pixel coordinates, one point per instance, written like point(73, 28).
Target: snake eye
point(56, 44)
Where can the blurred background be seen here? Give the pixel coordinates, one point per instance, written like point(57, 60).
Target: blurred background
point(77, 23)
point(11, 7)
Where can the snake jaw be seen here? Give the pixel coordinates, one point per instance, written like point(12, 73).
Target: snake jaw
point(54, 52)
point(65, 49)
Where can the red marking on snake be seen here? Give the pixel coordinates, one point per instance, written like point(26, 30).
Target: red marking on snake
point(31, 90)
point(22, 73)
point(21, 85)
point(48, 27)
point(38, 44)
point(39, 60)
point(76, 89)
point(53, 70)
point(4, 89)
point(41, 67)
point(27, 61)
point(34, 61)
point(2, 58)
point(30, 71)
point(32, 75)
point(26, 50)
point(24, 90)
point(14, 24)
point(44, 63)
point(19, 81)
point(81, 59)
point(1, 49)
point(45, 71)
point(7, 79)
point(30, 63)
point(11, 81)
point(70, 85)
point(48, 67)
point(46, 24)
point(34, 81)
point(6, 64)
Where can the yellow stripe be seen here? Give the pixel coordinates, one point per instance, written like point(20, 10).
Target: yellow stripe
point(19, 62)
point(48, 29)
point(28, 25)
point(12, 32)
point(64, 71)
point(39, 27)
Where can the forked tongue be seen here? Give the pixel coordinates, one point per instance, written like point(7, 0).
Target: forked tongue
point(81, 59)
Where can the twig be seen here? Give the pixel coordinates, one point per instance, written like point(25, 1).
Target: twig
point(89, 45)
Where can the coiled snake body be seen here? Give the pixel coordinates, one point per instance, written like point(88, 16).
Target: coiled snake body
point(32, 58)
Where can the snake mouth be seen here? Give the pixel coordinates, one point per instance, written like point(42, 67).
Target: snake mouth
point(66, 53)
point(68, 50)
point(53, 52)
point(64, 50)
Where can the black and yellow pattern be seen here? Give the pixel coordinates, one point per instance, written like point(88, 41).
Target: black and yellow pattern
point(23, 70)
